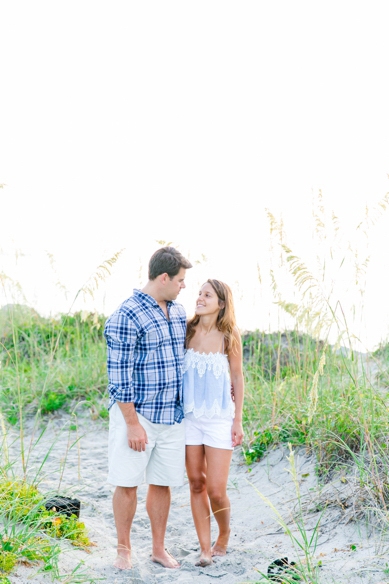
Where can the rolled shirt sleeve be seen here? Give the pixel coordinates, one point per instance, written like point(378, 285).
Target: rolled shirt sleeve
point(121, 335)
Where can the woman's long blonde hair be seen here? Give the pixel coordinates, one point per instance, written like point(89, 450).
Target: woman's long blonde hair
point(225, 322)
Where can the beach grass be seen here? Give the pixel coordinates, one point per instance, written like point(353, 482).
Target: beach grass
point(331, 402)
point(49, 364)
point(298, 390)
point(45, 365)
point(328, 400)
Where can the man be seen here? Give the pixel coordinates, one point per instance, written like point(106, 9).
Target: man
point(145, 345)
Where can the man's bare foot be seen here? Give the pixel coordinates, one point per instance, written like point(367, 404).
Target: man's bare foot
point(220, 547)
point(204, 560)
point(123, 561)
point(165, 559)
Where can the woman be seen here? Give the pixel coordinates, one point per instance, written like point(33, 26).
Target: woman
point(213, 423)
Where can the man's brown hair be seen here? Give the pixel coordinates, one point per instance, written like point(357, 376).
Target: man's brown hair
point(167, 260)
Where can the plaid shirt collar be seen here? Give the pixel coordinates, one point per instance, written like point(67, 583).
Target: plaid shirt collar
point(144, 298)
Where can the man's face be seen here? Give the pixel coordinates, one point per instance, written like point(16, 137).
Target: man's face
point(174, 286)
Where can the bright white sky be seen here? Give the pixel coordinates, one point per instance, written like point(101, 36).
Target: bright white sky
point(123, 123)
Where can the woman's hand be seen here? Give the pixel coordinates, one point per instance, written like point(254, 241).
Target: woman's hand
point(237, 433)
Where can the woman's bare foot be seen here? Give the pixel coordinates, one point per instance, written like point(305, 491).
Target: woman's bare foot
point(205, 559)
point(165, 559)
point(123, 560)
point(221, 544)
point(219, 550)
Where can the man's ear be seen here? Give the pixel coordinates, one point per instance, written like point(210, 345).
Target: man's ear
point(163, 278)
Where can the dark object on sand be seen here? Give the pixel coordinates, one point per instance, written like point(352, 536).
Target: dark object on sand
point(64, 505)
point(280, 570)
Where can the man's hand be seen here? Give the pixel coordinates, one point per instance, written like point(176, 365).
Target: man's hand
point(136, 434)
point(137, 437)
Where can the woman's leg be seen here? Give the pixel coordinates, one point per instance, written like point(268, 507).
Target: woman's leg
point(196, 470)
point(218, 466)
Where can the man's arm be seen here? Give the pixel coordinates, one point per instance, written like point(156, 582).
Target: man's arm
point(121, 335)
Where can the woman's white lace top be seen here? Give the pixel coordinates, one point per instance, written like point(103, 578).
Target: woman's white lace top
point(207, 385)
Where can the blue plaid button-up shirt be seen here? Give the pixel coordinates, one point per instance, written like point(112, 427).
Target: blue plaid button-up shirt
point(145, 354)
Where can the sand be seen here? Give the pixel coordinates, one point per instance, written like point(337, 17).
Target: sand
point(256, 536)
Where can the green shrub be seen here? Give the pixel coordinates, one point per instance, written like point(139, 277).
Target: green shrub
point(23, 503)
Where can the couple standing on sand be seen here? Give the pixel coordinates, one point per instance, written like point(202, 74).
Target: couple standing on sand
point(171, 405)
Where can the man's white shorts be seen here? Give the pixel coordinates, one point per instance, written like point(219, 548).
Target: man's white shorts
point(163, 460)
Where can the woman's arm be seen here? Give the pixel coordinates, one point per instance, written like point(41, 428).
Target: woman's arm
point(235, 360)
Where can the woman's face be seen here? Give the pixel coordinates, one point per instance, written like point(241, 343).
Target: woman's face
point(207, 302)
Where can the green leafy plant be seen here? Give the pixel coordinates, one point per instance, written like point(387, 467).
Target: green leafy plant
point(24, 503)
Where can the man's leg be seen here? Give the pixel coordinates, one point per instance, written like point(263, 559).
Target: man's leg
point(166, 467)
point(158, 505)
point(124, 506)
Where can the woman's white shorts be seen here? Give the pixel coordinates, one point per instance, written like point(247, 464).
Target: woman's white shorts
point(215, 432)
point(163, 460)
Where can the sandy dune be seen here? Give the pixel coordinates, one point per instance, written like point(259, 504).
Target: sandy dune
point(256, 538)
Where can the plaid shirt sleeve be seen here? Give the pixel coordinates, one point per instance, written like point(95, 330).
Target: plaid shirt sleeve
point(121, 335)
